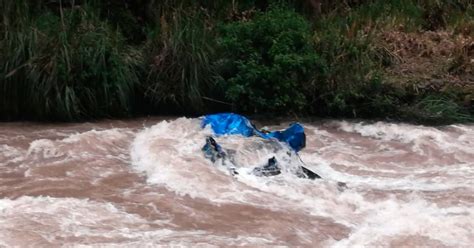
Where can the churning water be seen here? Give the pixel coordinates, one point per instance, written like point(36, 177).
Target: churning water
point(146, 182)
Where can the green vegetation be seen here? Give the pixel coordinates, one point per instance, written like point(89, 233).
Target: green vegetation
point(266, 59)
point(353, 84)
point(179, 56)
point(75, 60)
point(68, 66)
point(439, 109)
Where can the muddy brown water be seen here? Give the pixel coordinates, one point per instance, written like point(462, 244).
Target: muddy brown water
point(145, 182)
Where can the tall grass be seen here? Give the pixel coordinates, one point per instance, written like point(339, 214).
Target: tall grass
point(353, 84)
point(437, 109)
point(179, 59)
point(67, 66)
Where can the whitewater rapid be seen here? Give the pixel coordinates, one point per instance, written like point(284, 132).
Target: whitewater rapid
point(146, 182)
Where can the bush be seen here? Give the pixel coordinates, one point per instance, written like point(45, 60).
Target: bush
point(268, 61)
point(68, 66)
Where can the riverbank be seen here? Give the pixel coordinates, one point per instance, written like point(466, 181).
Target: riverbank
point(400, 60)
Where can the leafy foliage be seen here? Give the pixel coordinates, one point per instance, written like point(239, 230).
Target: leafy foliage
point(267, 61)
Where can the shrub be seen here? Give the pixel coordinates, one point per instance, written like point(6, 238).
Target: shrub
point(268, 61)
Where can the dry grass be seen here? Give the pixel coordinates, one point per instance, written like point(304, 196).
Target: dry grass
point(427, 60)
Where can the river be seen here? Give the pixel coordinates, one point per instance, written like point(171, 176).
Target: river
point(145, 182)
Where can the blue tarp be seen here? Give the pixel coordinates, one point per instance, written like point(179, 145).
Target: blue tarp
point(294, 136)
point(230, 123)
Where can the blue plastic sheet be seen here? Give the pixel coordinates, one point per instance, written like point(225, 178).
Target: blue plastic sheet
point(234, 124)
point(229, 123)
point(294, 136)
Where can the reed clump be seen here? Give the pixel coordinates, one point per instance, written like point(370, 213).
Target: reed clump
point(69, 66)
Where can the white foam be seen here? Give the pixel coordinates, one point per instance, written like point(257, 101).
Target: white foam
point(87, 144)
point(74, 222)
point(45, 148)
point(169, 154)
point(10, 154)
point(393, 132)
point(169, 151)
point(53, 218)
point(418, 135)
point(451, 226)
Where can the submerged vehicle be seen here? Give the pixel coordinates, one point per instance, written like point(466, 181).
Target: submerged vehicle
point(290, 141)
